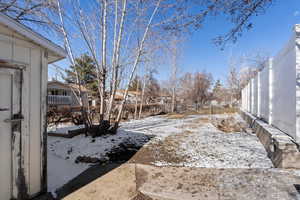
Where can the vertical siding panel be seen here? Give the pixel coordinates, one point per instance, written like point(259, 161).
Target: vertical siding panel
point(25, 123)
point(35, 127)
point(5, 49)
point(21, 54)
point(43, 131)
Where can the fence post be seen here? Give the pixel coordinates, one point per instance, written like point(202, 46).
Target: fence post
point(270, 65)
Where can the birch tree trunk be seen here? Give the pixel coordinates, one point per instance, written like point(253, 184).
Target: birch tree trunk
point(142, 98)
point(104, 53)
point(68, 48)
point(136, 62)
point(174, 64)
point(136, 99)
point(173, 100)
point(116, 55)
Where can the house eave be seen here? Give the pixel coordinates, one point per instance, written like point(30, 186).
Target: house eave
point(56, 51)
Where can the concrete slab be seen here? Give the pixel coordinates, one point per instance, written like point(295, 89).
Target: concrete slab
point(145, 182)
point(118, 184)
point(209, 184)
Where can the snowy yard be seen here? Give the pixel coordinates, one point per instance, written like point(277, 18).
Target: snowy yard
point(191, 141)
point(196, 142)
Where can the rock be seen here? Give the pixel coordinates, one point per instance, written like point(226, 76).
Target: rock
point(70, 151)
point(229, 125)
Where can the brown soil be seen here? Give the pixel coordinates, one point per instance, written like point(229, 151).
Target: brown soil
point(229, 125)
point(175, 116)
point(141, 196)
point(165, 151)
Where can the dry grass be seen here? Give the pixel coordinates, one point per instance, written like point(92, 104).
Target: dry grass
point(202, 111)
point(175, 116)
point(217, 110)
point(187, 132)
point(203, 120)
point(166, 150)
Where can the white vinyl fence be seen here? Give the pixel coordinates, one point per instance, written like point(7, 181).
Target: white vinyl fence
point(273, 95)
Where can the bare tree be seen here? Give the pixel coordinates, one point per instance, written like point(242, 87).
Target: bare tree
point(175, 52)
point(27, 11)
point(242, 69)
point(68, 48)
point(195, 88)
point(202, 84)
point(145, 80)
point(116, 34)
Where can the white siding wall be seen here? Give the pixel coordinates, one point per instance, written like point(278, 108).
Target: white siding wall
point(15, 49)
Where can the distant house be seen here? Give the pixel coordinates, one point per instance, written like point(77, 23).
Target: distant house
point(66, 94)
point(131, 97)
point(164, 99)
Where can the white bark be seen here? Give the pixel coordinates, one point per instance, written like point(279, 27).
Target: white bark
point(142, 98)
point(71, 57)
point(69, 50)
point(116, 56)
point(136, 62)
point(104, 53)
point(136, 99)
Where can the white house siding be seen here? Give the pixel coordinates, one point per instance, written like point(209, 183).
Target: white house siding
point(70, 93)
point(16, 49)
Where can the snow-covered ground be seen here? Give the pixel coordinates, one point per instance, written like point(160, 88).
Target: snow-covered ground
point(206, 146)
point(61, 171)
point(192, 140)
point(195, 142)
point(62, 152)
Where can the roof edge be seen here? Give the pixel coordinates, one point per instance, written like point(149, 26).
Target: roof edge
point(32, 35)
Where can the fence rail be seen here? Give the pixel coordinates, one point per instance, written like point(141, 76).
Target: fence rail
point(59, 100)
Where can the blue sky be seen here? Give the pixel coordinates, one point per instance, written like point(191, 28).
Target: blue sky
point(269, 34)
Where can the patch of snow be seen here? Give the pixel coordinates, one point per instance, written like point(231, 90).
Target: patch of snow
point(61, 171)
point(63, 128)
